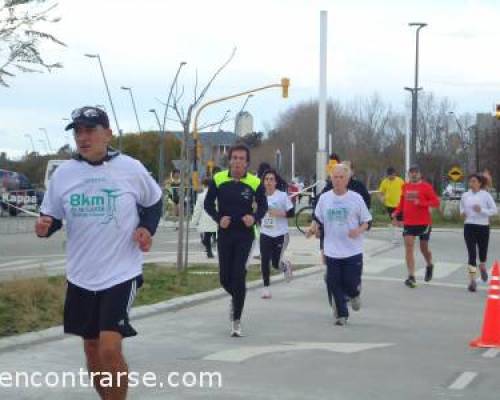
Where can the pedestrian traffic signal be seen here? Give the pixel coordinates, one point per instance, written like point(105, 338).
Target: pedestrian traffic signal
point(285, 82)
point(497, 113)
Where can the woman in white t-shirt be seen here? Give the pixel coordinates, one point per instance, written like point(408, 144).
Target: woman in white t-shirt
point(344, 218)
point(477, 206)
point(274, 231)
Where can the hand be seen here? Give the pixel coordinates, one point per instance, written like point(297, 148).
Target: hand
point(477, 208)
point(224, 222)
point(354, 233)
point(143, 237)
point(248, 220)
point(42, 226)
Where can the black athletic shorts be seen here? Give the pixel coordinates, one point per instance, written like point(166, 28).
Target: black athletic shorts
point(87, 313)
point(422, 231)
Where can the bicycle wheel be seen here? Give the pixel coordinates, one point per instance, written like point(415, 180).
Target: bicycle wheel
point(303, 218)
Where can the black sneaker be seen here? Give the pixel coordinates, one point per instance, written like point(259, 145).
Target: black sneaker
point(411, 282)
point(472, 286)
point(428, 272)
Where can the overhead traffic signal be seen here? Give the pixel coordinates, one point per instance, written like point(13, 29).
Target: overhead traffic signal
point(285, 83)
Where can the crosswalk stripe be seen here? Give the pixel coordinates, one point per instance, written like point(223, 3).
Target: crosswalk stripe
point(32, 265)
point(18, 262)
point(442, 269)
point(378, 265)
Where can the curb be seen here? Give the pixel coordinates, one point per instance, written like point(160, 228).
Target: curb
point(56, 333)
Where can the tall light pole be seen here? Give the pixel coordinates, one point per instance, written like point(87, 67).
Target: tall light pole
point(321, 155)
point(161, 158)
point(152, 110)
point(32, 142)
point(245, 103)
point(129, 89)
point(109, 98)
point(45, 143)
point(47, 137)
point(414, 97)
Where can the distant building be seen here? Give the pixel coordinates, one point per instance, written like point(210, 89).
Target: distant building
point(243, 124)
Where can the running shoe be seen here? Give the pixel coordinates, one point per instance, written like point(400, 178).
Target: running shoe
point(356, 303)
point(236, 328)
point(266, 293)
point(428, 272)
point(334, 310)
point(472, 286)
point(411, 282)
point(341, 321)
point(484, 273)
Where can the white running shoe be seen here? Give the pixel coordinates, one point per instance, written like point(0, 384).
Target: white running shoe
point(356, 303)
point(236, 328)
point(266, 293)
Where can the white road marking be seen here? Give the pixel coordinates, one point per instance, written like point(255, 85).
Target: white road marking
point(442, 269)
point(491, 353)
point(463, 381)
point(244, 353)
point(11, 263)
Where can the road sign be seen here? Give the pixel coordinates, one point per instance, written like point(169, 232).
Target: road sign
point(455, 174)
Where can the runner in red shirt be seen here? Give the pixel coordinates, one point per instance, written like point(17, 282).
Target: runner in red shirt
point(414, 207)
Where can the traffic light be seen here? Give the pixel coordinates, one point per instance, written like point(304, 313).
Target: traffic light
point(285, 82)
point(497, 113)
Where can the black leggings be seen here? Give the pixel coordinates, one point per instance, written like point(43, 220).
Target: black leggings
point(207, 241)
point(477, 236)
point(234, 251)
point(271, 251)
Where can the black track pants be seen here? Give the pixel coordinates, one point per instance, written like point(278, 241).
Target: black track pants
point(234, 250)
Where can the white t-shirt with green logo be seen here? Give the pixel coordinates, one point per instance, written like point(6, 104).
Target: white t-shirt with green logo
point(276, 226)
point(340, 214)
point(99, 205)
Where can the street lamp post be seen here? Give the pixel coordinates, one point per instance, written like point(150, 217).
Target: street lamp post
point(129, 89)
point(45, 143)
point(161, 158)
point(223, 120)
point(152, 110)
point(32, 142)
point(97, 56)
point(284, 84)
point(414, 97)
point(47, 137)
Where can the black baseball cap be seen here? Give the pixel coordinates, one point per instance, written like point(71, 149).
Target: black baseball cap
point(414, 167)
point(89, 117)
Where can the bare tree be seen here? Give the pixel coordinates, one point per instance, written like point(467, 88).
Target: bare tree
point(184, 113)
point(21, 38)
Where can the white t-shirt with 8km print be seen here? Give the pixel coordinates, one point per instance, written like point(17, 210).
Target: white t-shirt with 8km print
point(99, 206)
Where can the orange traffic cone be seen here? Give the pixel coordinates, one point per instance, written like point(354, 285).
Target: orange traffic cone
point(490, 336)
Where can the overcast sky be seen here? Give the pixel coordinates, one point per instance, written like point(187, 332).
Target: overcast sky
point(370, 49)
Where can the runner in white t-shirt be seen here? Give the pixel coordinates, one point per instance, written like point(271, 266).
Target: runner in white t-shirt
point(111, 207)
point(344, 217)
point(274, 236)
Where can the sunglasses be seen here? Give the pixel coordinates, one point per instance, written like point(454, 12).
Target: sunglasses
point(84, 112)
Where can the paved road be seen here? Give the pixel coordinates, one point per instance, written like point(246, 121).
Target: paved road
point(403, 344)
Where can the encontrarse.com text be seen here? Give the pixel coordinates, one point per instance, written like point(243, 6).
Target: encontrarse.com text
point(84, 378)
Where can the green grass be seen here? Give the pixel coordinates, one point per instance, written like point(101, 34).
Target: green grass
point(34, 304)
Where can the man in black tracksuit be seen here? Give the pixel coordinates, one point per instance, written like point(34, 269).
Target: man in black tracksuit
point(230, 202)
